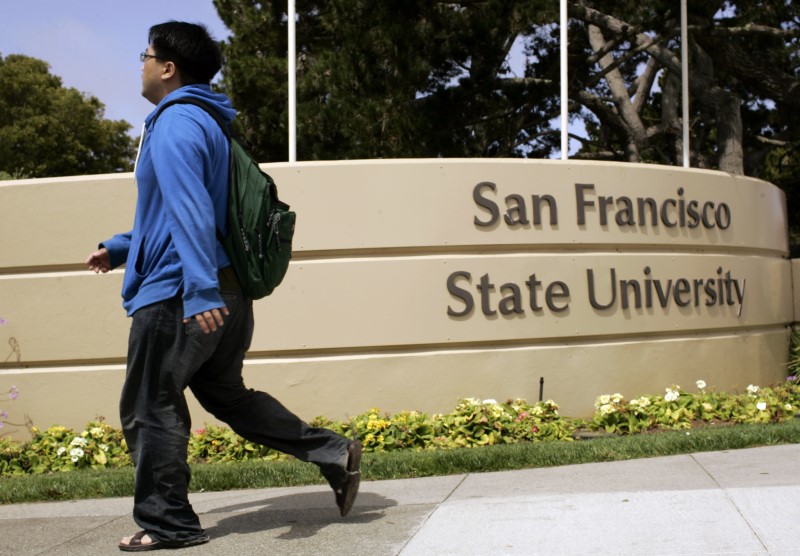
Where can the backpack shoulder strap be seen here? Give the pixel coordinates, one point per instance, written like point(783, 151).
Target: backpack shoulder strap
point(197, 102)
point(211, 112)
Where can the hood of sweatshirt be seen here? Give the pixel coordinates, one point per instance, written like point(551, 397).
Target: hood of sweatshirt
point(218, 101)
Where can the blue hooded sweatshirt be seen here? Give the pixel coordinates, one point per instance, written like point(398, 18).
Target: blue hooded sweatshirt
point(182, 181)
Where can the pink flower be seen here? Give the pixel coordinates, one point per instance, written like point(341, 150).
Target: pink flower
point(13, 394)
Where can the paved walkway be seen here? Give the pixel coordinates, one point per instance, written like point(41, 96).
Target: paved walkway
point(733, 502)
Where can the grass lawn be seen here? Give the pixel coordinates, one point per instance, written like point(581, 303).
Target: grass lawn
point(407, 464)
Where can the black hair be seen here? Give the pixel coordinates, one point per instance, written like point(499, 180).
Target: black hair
point(190, 47)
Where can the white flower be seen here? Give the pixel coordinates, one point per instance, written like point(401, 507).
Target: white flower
point(78, 441)
point(61, 450)
point(76, 454)
point(762, 406)
point(671, 395)
point(788, 407)
point(490, 402)
point(96, 431)
point(104, 447)
point(602, 400)
point(616, 398)
point(752, 389)
point(701, 384)
point(606, 409)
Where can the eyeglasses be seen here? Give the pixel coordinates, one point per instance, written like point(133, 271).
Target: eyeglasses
point(144, 56)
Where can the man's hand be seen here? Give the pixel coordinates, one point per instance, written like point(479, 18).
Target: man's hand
point(99, 261)
point(209, 321)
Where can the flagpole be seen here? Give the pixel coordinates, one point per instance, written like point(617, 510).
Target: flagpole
point(292, 84)
point(564, 89)
point(685, 83)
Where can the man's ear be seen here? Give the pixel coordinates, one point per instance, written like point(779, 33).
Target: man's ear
point(168, 70)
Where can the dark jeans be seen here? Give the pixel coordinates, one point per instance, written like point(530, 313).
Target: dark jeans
point(164, 357)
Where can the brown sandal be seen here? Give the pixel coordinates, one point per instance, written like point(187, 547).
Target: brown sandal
point(135, 544)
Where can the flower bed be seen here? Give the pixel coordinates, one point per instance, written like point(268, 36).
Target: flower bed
point(472, 423)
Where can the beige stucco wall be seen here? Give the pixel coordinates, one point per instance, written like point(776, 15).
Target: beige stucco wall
point(389, 255)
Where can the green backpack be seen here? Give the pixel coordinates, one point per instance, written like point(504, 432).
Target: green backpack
point(260, 226)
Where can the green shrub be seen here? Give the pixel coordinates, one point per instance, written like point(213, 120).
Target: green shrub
point(678, 409)
point(473, 423)
point(220, 444)
point(60, 449)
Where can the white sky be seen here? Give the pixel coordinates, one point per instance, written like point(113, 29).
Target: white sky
point(94, 45)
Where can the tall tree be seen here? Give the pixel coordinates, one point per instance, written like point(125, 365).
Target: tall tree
point(49, 130)
point(742, 74)
point(389, 78)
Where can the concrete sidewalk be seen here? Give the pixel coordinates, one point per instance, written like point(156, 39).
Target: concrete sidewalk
point(733, 502)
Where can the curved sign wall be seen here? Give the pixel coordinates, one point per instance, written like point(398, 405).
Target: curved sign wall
point(418, 282)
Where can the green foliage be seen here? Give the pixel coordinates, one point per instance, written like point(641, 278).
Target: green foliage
point(386, 433)
point(15, 175)
point(395, 78)
point(473, 423)
point(99, 446)
point(220, 444)
point(49, 130)
point(678, 409)
point(794, 354)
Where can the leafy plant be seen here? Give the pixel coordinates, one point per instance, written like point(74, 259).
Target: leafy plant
point(60, 449)
point(220, 444)
point(794, 354)
point(473, 423)
point(678, 409)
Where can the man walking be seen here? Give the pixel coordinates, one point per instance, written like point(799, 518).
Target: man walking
point(191, 324)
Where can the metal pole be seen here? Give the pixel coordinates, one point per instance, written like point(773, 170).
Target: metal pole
point(564, 94)
point(292, 85)
point(685, 82)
